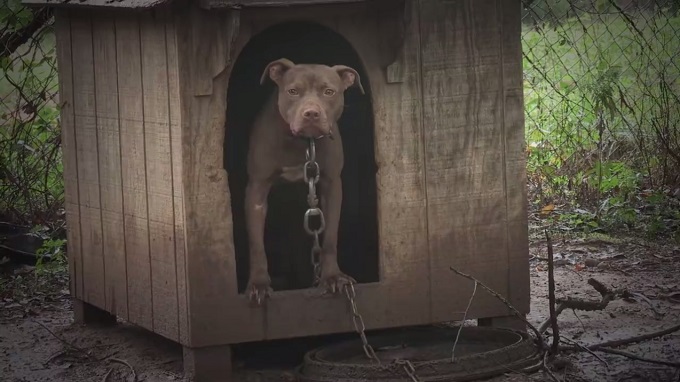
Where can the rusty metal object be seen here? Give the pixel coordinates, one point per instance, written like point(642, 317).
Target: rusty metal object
point(481, 352)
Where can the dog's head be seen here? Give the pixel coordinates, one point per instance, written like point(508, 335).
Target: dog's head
point(311, 97)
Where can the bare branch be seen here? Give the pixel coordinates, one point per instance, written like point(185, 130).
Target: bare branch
point(502, 299)
point(638, 358)
point(551, 297)
point(11, 41)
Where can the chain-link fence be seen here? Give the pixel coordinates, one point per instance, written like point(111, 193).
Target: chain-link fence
point(602, 89)
point(31, 188)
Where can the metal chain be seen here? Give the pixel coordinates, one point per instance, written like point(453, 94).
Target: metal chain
point(313, 210)
point(408, 368)
point(311, 175)
point(360, 328)
point(358, 322)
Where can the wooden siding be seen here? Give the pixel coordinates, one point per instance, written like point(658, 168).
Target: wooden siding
point(116, 4)
point(215, 310)
point(68, 147)
point(145, 4)
point(148, 203)
point(269, 3)
point(510, 20)
point(475, 194)
point(122, 154)
point(110, 175)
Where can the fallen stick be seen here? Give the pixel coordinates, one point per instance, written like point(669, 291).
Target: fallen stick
point(626, 341)
point(106, 377)
point(638, 358)
point(539, 338)
point(460, 328)
point(605, 347)
point(554, 348)
point(72, 346)
point(584, 348)
point(53, 356)
point(547, 369)
point(124, 362)
point(641, 296)
point(579, 304)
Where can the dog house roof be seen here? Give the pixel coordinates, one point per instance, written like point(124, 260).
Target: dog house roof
point(144, 4)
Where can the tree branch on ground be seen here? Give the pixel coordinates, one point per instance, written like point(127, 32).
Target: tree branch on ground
point(554, 348)
point(585, 305)
point(626, 341)
point(539, 339)
point(638, 358)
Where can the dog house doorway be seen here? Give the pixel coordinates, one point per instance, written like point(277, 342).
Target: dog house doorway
point(287, 244)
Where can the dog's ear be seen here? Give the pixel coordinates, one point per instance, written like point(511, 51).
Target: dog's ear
point(276, 69)
point(349, 77)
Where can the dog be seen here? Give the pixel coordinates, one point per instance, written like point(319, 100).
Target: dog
point(307, 104)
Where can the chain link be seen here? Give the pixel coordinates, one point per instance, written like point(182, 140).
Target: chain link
point(358, 322)
point(360, 328)
point(313, 202)
point(311, 173)
point(408, 368)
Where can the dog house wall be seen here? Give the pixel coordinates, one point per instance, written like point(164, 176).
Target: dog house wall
point(147, 200)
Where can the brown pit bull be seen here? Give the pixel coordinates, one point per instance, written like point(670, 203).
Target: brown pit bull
point(308, 104)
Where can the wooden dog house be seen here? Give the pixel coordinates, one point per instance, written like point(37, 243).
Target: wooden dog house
point(435, 175)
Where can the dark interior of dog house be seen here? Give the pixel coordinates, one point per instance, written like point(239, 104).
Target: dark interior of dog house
point(287, 245)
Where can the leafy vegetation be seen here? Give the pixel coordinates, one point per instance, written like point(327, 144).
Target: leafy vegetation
point(602, 123)
point(31, 184)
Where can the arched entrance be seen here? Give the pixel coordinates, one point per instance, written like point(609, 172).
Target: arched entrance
point(286, 243)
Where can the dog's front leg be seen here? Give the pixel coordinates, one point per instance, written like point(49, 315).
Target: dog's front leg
point(256, 212)
point(332, 278)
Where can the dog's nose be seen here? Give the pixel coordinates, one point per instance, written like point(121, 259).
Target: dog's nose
point(311, 114)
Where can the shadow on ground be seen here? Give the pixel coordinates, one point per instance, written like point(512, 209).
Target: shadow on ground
point(40, 342)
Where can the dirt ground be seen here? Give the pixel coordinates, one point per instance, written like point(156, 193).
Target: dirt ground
point(40, 342)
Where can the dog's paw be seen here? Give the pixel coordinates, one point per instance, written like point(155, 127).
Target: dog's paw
point(335, 282)
point(258, 289)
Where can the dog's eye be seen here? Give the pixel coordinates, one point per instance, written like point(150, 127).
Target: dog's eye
point(292, 91)
point(329, 92)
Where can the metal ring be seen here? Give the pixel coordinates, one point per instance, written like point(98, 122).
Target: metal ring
point(316, 168)
point(311, 150)
point(314, 212)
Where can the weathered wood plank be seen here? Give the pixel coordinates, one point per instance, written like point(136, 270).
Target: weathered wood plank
point(88, 160)
point(515, 157)
point(510, 21)
point(400, 157)
point(110, 182)
point(119, 4)
point(267, 3)
point(464, 149)
point(128, 50)
point(178, 201)
point(476, 250)
point(145, 4)
point(68, 142)
point(210, 261)
point(159, 176)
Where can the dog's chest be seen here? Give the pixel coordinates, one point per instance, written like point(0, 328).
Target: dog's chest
point(291, 159)
point(293, 173)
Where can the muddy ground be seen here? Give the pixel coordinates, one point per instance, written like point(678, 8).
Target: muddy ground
point(40, 342)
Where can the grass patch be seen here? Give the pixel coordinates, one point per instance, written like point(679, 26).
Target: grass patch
point(601, 105)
